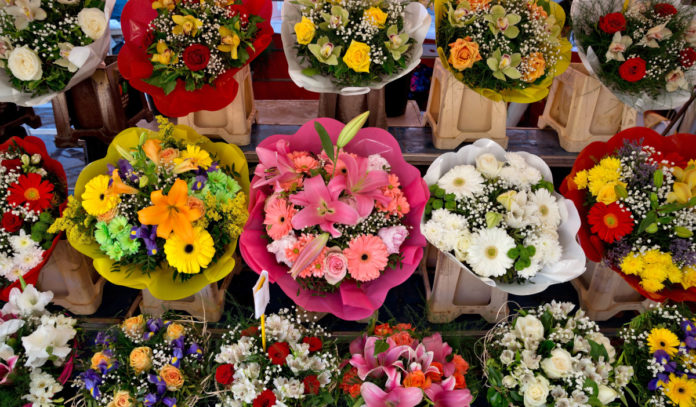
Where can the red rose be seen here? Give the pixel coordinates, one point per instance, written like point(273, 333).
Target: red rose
point(633, 69)
point(266, 399)
point(311, 385)
point(11, 222)
point(314, 343)
point(196, 57)
point(11, 164)
point(251, 331)
point(278, 352)
point(612, 22)
point(688, 57)
point(665, 9)
point(224, 374)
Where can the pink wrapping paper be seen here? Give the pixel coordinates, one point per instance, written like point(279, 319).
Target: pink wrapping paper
point(350, 302)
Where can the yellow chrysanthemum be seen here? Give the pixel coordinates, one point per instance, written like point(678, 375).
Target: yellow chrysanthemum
point(196, 156)
point(632, 264)
point(97, 200)
point(581, 179)
point(674, 274)
point(652, 286)
point(663, 339)
point(681, 390)
point(653, 271)
point(608, 170)
point(689, 277)
point(190, 258)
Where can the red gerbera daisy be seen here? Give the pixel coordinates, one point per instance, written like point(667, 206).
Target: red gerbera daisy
point(278, 352)
point(610, 222)
point(30, 190)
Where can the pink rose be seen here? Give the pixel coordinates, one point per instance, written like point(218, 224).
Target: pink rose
point(335, 266)
point(393, 237)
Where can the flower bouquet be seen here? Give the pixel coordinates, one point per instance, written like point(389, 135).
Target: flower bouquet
point(296, 369)
point(36, 352)
point(185, 53)
point(47, 47)
point(661, 345)
point(392, 367)
point(497, 214)
point(145, 362)
point(643, 51)
point(350, 46)
point(335, 237)
point(162, 211)
point(507, 50)
point(546, 356)
point(635, 194)
point(33, 193)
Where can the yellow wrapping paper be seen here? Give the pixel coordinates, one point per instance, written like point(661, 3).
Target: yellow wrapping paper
point(533, 93)
point(160, 282)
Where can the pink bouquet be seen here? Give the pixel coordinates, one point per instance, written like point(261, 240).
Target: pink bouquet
point(335, 238)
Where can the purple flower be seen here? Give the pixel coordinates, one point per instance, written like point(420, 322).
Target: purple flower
point(169, 401)
point(213, 167)
point(654, 384)
point(154, 324)
point(199, 182)
point(177, 355)
point(196, 350)
point(150, 399)
point(178, 343)
point(688, 327)
point(149, 236)
point(92, 380)
point(683, 252)
point(125, 170)
point(159, 382)
point(617, 252)
point(102, 339)
point(663, 358)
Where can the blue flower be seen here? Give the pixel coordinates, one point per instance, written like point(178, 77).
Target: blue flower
point(102, 339)
point(654, 384)
point(177, 355)
point(169, 401)
point(196, 350)
point(149, 236)
point(159, 382)
point(92, 380)
point(199, 182)
point(178, 343)
point(150, 399)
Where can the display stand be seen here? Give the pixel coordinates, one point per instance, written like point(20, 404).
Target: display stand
point(603, 293)
point(582, 110)
point(75, 284)
point(455, 292)
point(345, 108)
point(458, 114)
point(233, 123)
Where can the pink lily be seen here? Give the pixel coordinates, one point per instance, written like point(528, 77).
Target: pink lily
point(6, 370)
point(444, 395)
point(274, 166)
point(310, 253)
point(441, 350)
point(321, 206)
point(420, 359)
point(386, 363)
point(363, 186)
point(399, 396)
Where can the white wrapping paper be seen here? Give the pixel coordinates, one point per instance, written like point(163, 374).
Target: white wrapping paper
point(93, 55)
point(572, 263)
point(586, 12)
point(416, 25)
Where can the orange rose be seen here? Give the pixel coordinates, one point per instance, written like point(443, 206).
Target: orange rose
point(100, 358)
point(537, 10)
point(417, 379)
point(168, 155)
point(121, 399)
point(461, 366)
point(134, 326)
point(477, 5)
point(403, 327)
point(463, 54)
point(172, 377)
point(402, 338)
point(534, 67)
point(196, 204)
point(383, 330)
point(436, 377)
point(141, 359)
point(174, 332)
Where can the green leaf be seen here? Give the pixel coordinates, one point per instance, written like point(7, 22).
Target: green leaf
point(620, 191)
point(591, 384)
point(597, 350)
point(547, 321)
point(168, 87)
point(326, 142)
point(658, 178)
point(494, 376)
point(495, 398)
point(310, 71)
point(381, 346)
point(513, 253)
point(648, 220)
point(683, 232)
point(546, 347)
point(652, 228)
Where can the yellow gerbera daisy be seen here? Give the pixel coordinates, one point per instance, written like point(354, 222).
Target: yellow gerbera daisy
point(681, 390)
point(196, 156)
point(97, 199)
point(663, 339)
point(190, 258)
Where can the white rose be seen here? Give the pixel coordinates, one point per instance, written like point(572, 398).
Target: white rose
point(488, 165)
point(509, 382)
point(536, 393)
point(507, 357)
point(92, 21)
point(558, 365)
point(603, 340)
point(463, 243)
point(580, 344)
point(529, 328)
point(24, 64)
point(606, 394)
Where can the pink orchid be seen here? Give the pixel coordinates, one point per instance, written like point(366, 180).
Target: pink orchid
point(444, 395)
point(275, 167)
point(6, 369)
point(399, 396)
point(363, 186)
point(321, 206)
point(441, 350)
point(386, 363)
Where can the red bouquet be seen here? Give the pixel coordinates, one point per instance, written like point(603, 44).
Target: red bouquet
point(186, 53)
point(636, 195)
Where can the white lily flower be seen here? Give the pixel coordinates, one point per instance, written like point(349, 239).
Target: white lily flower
point(28, 302)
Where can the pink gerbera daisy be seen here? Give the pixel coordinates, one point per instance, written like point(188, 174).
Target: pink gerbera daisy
point(293, 252)
point(367, 256)
point(303, 162)
point(278, 218)
point(316, 269)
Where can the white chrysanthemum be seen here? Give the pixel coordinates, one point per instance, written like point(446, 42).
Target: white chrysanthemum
point(515, 216)
point(462, 181)
point(29, 259)
point(449, 220)
point(42, 388)
point(22, 242)
point(516, 160)
point(435, 233)
point(548, 248)
point(487, 254)
point(530, 271)
point(543, 208)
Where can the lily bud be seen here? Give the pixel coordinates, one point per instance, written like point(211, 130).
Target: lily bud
point(351, 129)
point(310, 253)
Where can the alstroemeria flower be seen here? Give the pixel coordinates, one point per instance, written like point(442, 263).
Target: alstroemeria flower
point(655, 34)
point(618, 46)
point(321, 205)
point(444, 395)
point(26, 11)
point(374, 396)
point(363, 186)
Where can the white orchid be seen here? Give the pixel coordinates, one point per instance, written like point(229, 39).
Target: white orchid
point(655, 34)
point(65, 60)
point(691, 33)
point(28, 302)
point(10, 327)
point(618, 46)
point(676, 80)
point(26, 11)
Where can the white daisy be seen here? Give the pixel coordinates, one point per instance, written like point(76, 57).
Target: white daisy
point(487, 254)
point(462, 181)
point(543, 207)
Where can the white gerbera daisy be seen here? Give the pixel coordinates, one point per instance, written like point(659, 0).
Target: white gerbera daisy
point(487, 254)
point(462, 181)
point(543, 207)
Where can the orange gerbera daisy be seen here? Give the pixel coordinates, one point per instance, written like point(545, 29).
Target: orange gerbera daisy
point(171, 212)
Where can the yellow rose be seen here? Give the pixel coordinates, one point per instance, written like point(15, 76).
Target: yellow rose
point(357, 56)
point(607, 194)
point(464, 53)
point(375, 16)
point(174, 331)
point(172, 377)
point(100, 358)
point(305, 30)
point(534, 67)
point(134, 326)
point(121, 399)
point(141, 359)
